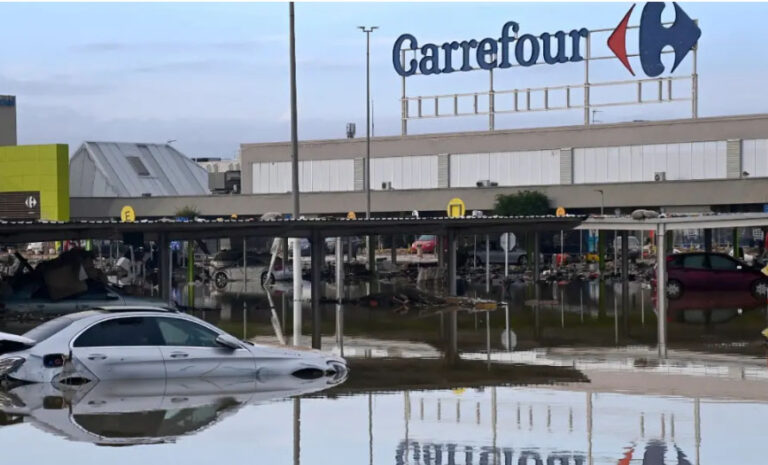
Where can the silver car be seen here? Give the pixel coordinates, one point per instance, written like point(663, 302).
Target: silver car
point(516, 256)
point(118, 343)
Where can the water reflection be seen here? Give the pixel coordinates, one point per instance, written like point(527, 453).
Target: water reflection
point(557, 374)
point(535, 424)
point(145, 411)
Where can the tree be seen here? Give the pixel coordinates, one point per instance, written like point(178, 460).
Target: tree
point(522, 203)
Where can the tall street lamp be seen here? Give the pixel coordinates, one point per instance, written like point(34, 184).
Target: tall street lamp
point(602, 201)
point(367, 177)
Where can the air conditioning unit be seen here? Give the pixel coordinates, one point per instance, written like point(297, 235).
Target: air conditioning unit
point(486, 183)
point(660, 176)
point(386, 186)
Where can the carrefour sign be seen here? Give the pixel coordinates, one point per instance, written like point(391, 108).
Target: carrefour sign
point(552, 49)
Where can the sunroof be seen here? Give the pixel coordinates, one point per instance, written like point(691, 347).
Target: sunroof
point(138, 165)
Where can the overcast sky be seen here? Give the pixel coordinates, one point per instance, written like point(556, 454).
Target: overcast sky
point(213, 76)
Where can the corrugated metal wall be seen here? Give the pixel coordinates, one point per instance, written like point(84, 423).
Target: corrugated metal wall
point(314, 176)
point(754, 155)
point(531, 168)
point(696, 160)
point(635, 163)
point(418, 172)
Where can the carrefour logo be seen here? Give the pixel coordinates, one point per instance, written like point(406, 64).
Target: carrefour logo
point(682, 36)
point(560, 47)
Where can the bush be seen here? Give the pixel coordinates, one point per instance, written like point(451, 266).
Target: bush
point(522, 203)
point(187, 212)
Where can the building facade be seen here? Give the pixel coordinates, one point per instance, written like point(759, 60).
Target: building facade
point(560, 158)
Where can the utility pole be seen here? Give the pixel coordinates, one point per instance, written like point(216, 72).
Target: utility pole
point(297, 283)
point(367, 177)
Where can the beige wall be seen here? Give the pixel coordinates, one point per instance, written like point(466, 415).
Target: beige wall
point(676, 196)
point(601, 135)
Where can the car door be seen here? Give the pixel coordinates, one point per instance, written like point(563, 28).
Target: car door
point(726, 273)
point(695, 272)
point(121, 347)
point(190, 350)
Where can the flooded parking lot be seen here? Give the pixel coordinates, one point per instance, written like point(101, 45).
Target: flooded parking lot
point(575, 379)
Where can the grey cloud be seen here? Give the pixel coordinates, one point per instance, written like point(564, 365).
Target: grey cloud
point(178, 46)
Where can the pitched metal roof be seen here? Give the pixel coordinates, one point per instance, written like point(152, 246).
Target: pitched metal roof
point(126, 169)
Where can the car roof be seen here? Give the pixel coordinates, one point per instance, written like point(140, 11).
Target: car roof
point(133, 308)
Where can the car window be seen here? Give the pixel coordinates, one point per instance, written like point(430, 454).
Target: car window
point(425, 238)
point(676, 261)
point(695, 262)
point(127, 331)
point(720, 263)
point(178, 332)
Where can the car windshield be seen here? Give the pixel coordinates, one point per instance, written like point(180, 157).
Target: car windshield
point(425, 238)
point(49, 328)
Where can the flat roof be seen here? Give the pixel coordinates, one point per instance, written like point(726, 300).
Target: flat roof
point(676, 222)
point(36, 231)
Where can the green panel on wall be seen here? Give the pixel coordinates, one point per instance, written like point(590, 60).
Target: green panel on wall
point(43, 168)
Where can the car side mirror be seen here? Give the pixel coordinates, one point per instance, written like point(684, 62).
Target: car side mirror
point(225, 340)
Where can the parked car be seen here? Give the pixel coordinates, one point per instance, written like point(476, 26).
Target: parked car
point(358, 243)
point(36, 248)
point(633, 244)
point(427, 242)
point(120, 343)
point(257, 267)
point(516, 256)
point(33, 299)
point(705, 271)
point(123, 413)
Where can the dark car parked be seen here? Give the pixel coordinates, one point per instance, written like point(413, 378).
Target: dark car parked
point(702, 271)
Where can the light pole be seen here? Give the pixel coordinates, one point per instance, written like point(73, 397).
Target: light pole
point(602, 201)
point(367, 177)
point(297, 283)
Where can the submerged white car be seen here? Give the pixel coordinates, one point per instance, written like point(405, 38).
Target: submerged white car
point(119, 343)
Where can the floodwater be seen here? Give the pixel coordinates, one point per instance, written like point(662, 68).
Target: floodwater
point(576, 379)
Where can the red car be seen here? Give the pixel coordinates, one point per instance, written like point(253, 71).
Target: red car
point(703, 271)
point(426, 242)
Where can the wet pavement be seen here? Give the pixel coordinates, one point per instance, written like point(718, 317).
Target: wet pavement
point(574, 378)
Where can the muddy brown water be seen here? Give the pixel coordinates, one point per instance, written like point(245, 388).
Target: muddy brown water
point(573, 380)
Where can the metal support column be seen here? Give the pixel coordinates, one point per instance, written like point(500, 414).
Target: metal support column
point(452, 262)
point(164, 273)
point(318, 259)
point(601, 252)
point(586, 82)
point(339, 270)
point(487, 263)
point(708, 240)
point(371, 247)
point(393, 250)
point(536, 257)
point(284, 246)
point(661, 290)
point(625, 278)
point(190, 274)
point(736, 251)
point(491, 105)
point(453, 316)
point(297, 291)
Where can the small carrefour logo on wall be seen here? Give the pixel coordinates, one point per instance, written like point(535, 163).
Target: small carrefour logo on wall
point(682, 36)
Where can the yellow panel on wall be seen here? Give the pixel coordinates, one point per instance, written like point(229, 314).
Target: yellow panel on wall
point(43, 168)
